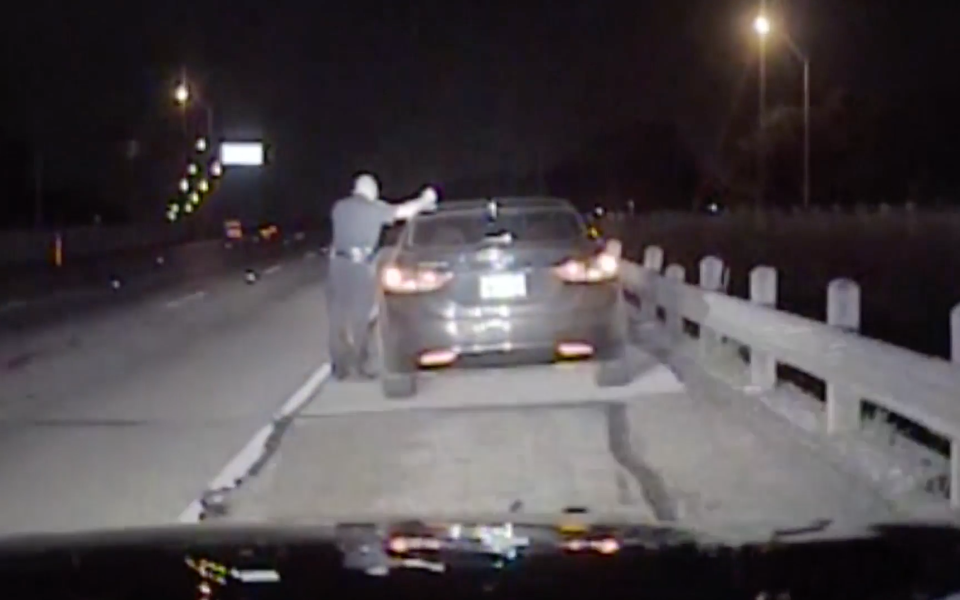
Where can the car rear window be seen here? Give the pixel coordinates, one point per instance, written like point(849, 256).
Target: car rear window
point(474, 227)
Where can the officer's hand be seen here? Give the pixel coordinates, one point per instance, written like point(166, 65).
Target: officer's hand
point(429, 198)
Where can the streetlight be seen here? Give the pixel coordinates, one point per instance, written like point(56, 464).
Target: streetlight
point(762, 26)
point(183, 96)
point(181, 93)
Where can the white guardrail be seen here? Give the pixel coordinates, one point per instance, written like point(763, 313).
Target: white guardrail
point(922, 389)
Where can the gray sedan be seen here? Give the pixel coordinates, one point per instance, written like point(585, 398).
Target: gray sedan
point(509, 279)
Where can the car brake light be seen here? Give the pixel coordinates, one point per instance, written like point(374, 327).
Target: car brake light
point(397, 280)
point(602, 267)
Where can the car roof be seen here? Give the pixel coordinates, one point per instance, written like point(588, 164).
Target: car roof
point(446, 207)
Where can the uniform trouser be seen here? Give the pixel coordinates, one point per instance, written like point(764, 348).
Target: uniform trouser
point(351, 301)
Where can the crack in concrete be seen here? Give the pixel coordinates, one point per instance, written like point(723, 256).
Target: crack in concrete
point(216, 502)
point(651, 484)
point(635, 475)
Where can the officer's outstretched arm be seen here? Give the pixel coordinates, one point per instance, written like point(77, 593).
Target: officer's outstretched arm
point(427, 200)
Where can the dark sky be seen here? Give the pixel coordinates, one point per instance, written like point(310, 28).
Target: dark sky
point(433, 90)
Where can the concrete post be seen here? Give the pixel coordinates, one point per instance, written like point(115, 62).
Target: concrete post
point(954, 474)
point(763, 291)
point(653, 263)
point(843, 311)
point(711, 280)
point(955, 334)
point(843, 304)
point(675, 276)
point(653, 258)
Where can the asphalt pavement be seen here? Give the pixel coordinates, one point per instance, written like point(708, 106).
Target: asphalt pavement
point(124, 416)
point(118, 417)
point(47, 296)
point(21, 282)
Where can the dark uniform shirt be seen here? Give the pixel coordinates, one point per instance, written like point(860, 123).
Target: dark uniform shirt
point(351, 284)
point(358, 221)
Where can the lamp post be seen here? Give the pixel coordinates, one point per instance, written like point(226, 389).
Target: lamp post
point(763, 28)
point(806, 118)
point(183, 96)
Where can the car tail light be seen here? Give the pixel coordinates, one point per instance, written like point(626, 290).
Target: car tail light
point(602, 267)
point(397, 280)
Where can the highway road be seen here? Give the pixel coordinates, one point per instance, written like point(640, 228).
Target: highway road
point(34, 296)
point(21, 282)
point(124, 414)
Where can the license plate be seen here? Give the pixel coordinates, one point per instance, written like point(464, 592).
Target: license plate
point(503, 286)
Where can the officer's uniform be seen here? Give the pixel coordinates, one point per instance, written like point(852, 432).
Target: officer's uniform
point(351, 288)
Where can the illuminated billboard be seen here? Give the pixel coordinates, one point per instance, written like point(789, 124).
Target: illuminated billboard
point(241, 154)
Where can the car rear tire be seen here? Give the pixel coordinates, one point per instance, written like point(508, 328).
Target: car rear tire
point(614, 372)
point(393, 384)
point(615, 369)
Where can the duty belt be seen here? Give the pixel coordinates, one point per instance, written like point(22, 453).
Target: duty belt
point(355, 254)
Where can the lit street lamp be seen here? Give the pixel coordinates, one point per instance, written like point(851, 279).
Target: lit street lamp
point(184, 96)
point(762, 26)
point(181, 93)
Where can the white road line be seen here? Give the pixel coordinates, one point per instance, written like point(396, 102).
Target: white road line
point(178, 302)
point(241, 463)
point(299, 398)
point(271, 270)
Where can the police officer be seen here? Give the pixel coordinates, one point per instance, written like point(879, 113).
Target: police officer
point(351, 288)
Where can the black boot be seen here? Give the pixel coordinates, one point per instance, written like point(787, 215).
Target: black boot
point(341, 370)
